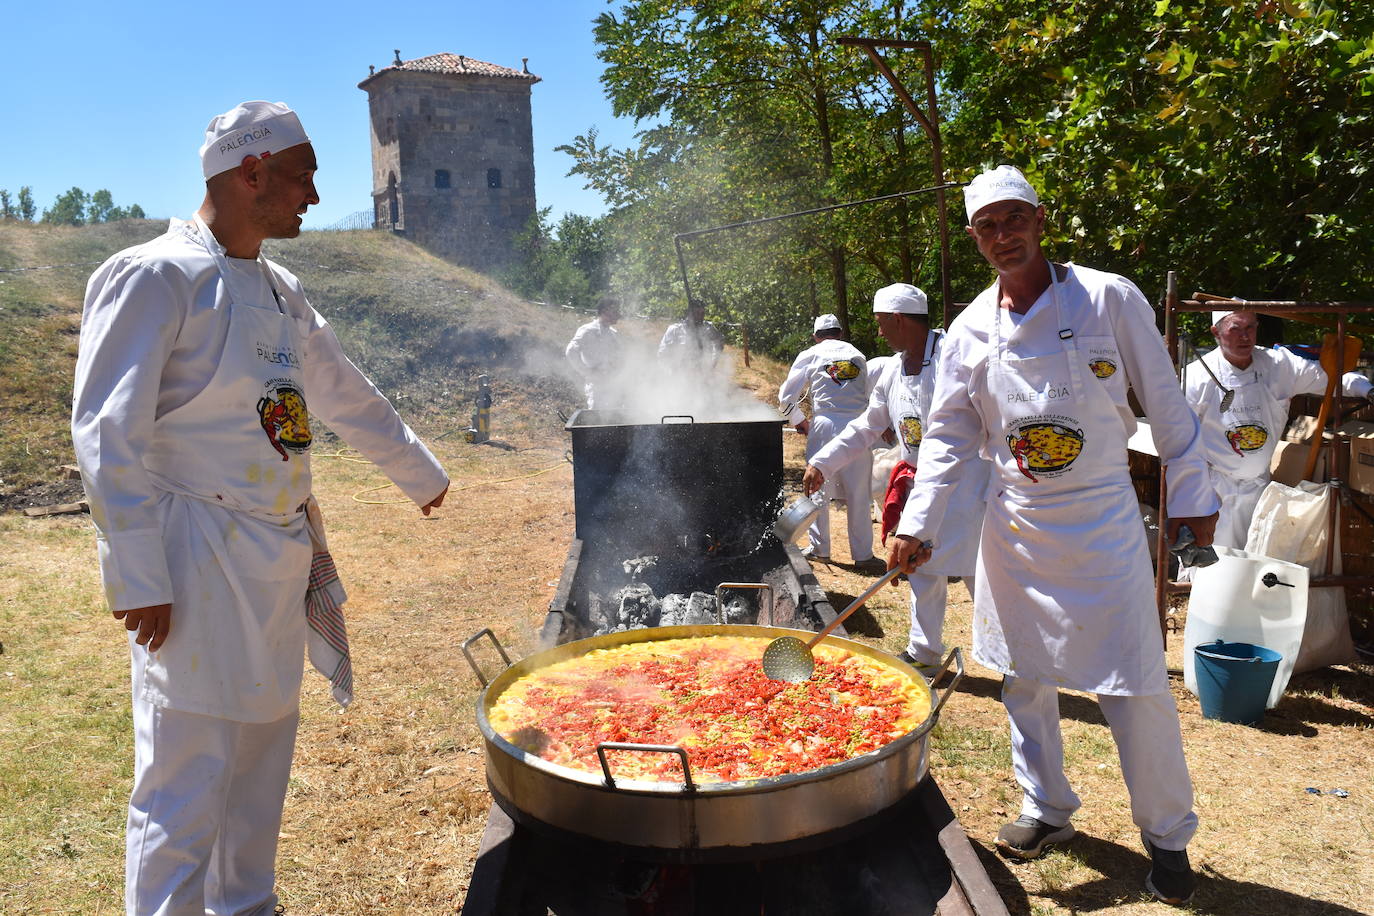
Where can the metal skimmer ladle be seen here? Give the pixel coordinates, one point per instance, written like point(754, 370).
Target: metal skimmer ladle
point(1227, 395)
point(789, 659)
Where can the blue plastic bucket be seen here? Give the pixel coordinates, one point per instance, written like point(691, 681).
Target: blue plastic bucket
point(1234, 679)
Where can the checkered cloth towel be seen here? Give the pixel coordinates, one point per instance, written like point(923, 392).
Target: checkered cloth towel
point(326, 640)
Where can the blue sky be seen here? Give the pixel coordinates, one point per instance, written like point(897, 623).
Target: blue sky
point(117, 95)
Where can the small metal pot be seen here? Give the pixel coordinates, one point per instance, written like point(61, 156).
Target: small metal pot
point(795, 518)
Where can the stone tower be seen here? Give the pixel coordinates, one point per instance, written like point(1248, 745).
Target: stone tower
point(452, 155)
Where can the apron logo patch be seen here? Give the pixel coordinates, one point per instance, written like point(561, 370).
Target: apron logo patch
point(284, 417)
point(1102, 367)
point(1247, 438)
point(911, 431)
point(1045, 448)
point(841, 371)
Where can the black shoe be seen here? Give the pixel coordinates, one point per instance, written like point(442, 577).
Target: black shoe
point(1171, 878)
point(872, 564)
point(1030, 838)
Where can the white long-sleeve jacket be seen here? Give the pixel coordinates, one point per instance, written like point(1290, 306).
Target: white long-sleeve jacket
point(836, 374)
point(1283, 375)
point(152, 332)
point(965, 418)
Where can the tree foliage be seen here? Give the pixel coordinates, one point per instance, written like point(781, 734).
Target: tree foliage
point(565, 263)
point(69, 209)
point(72, 208)
point(1228, 141)
point(26, 206)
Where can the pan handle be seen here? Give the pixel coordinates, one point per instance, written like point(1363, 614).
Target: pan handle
point(677, 416)
point(472, 662)
point(605, 746)
point(958, 656)
point(758, 586)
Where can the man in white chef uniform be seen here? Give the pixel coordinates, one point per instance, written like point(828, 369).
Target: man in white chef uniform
point(691, 345)
point(200, 363)
point(1034, 378)
point(595, 355)
point(835, 374)
point(901, 400)
point(1240, 442)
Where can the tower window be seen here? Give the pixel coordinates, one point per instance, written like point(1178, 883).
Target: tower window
point(441, 178)
point(493, 178)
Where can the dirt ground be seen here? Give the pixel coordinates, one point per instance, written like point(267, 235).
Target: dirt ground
point(387, 800)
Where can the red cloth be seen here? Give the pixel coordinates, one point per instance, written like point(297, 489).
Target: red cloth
point(898, 486)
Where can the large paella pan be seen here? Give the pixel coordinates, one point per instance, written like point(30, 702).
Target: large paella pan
point(649, 795)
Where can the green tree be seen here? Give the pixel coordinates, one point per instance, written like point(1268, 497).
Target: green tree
point(7, 209)
point(100, 208)
point(69, 209)
point(26, 207)
point(566, 263)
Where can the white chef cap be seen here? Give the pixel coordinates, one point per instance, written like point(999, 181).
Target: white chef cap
point(1002, 183)
point(249, 129)
point(825, 323)
point(1219, 316)
point(900, 299)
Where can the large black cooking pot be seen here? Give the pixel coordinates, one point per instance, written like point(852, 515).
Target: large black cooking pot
point(648, 480)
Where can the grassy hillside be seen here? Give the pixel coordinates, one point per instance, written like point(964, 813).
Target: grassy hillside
point(421, 328)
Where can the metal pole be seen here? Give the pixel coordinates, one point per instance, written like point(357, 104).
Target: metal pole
point(1162, 538)
point(682, 267)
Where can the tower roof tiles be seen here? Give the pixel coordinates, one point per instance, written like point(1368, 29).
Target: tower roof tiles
point(455, 65)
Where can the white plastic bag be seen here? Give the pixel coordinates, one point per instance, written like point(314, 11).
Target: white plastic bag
point(1290, 523)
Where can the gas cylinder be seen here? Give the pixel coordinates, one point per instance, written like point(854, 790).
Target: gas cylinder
point(480, 430)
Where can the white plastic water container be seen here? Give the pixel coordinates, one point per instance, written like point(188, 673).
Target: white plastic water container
point(1247, 598)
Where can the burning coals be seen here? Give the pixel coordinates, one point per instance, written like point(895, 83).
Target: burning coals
point(635, 606)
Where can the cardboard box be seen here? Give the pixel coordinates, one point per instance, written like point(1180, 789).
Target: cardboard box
point(1361, 471)
point(1290, 460)
point(1300, 429)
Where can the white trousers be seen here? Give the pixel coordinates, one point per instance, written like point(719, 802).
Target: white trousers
point(929, 596)
point(1149, 745)
point(205, 813)
point(852, 483)
point(1238, 501)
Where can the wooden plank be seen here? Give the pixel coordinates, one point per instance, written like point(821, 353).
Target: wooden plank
point(68, 472)
point(63, 509)
point(968, 869)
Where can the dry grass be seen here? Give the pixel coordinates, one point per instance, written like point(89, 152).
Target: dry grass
point(387, 801)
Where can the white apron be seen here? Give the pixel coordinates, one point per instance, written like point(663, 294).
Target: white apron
point(909, 402)
point(233, 464)
point(1252, 427)
point(1066, 592)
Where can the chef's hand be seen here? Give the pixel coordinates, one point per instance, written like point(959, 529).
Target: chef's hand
point(804, 427)
point(812, 480)
point(906, 553)
point(152, 624)
point(434, 503)
point(1204, 528)
point(889, 436)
